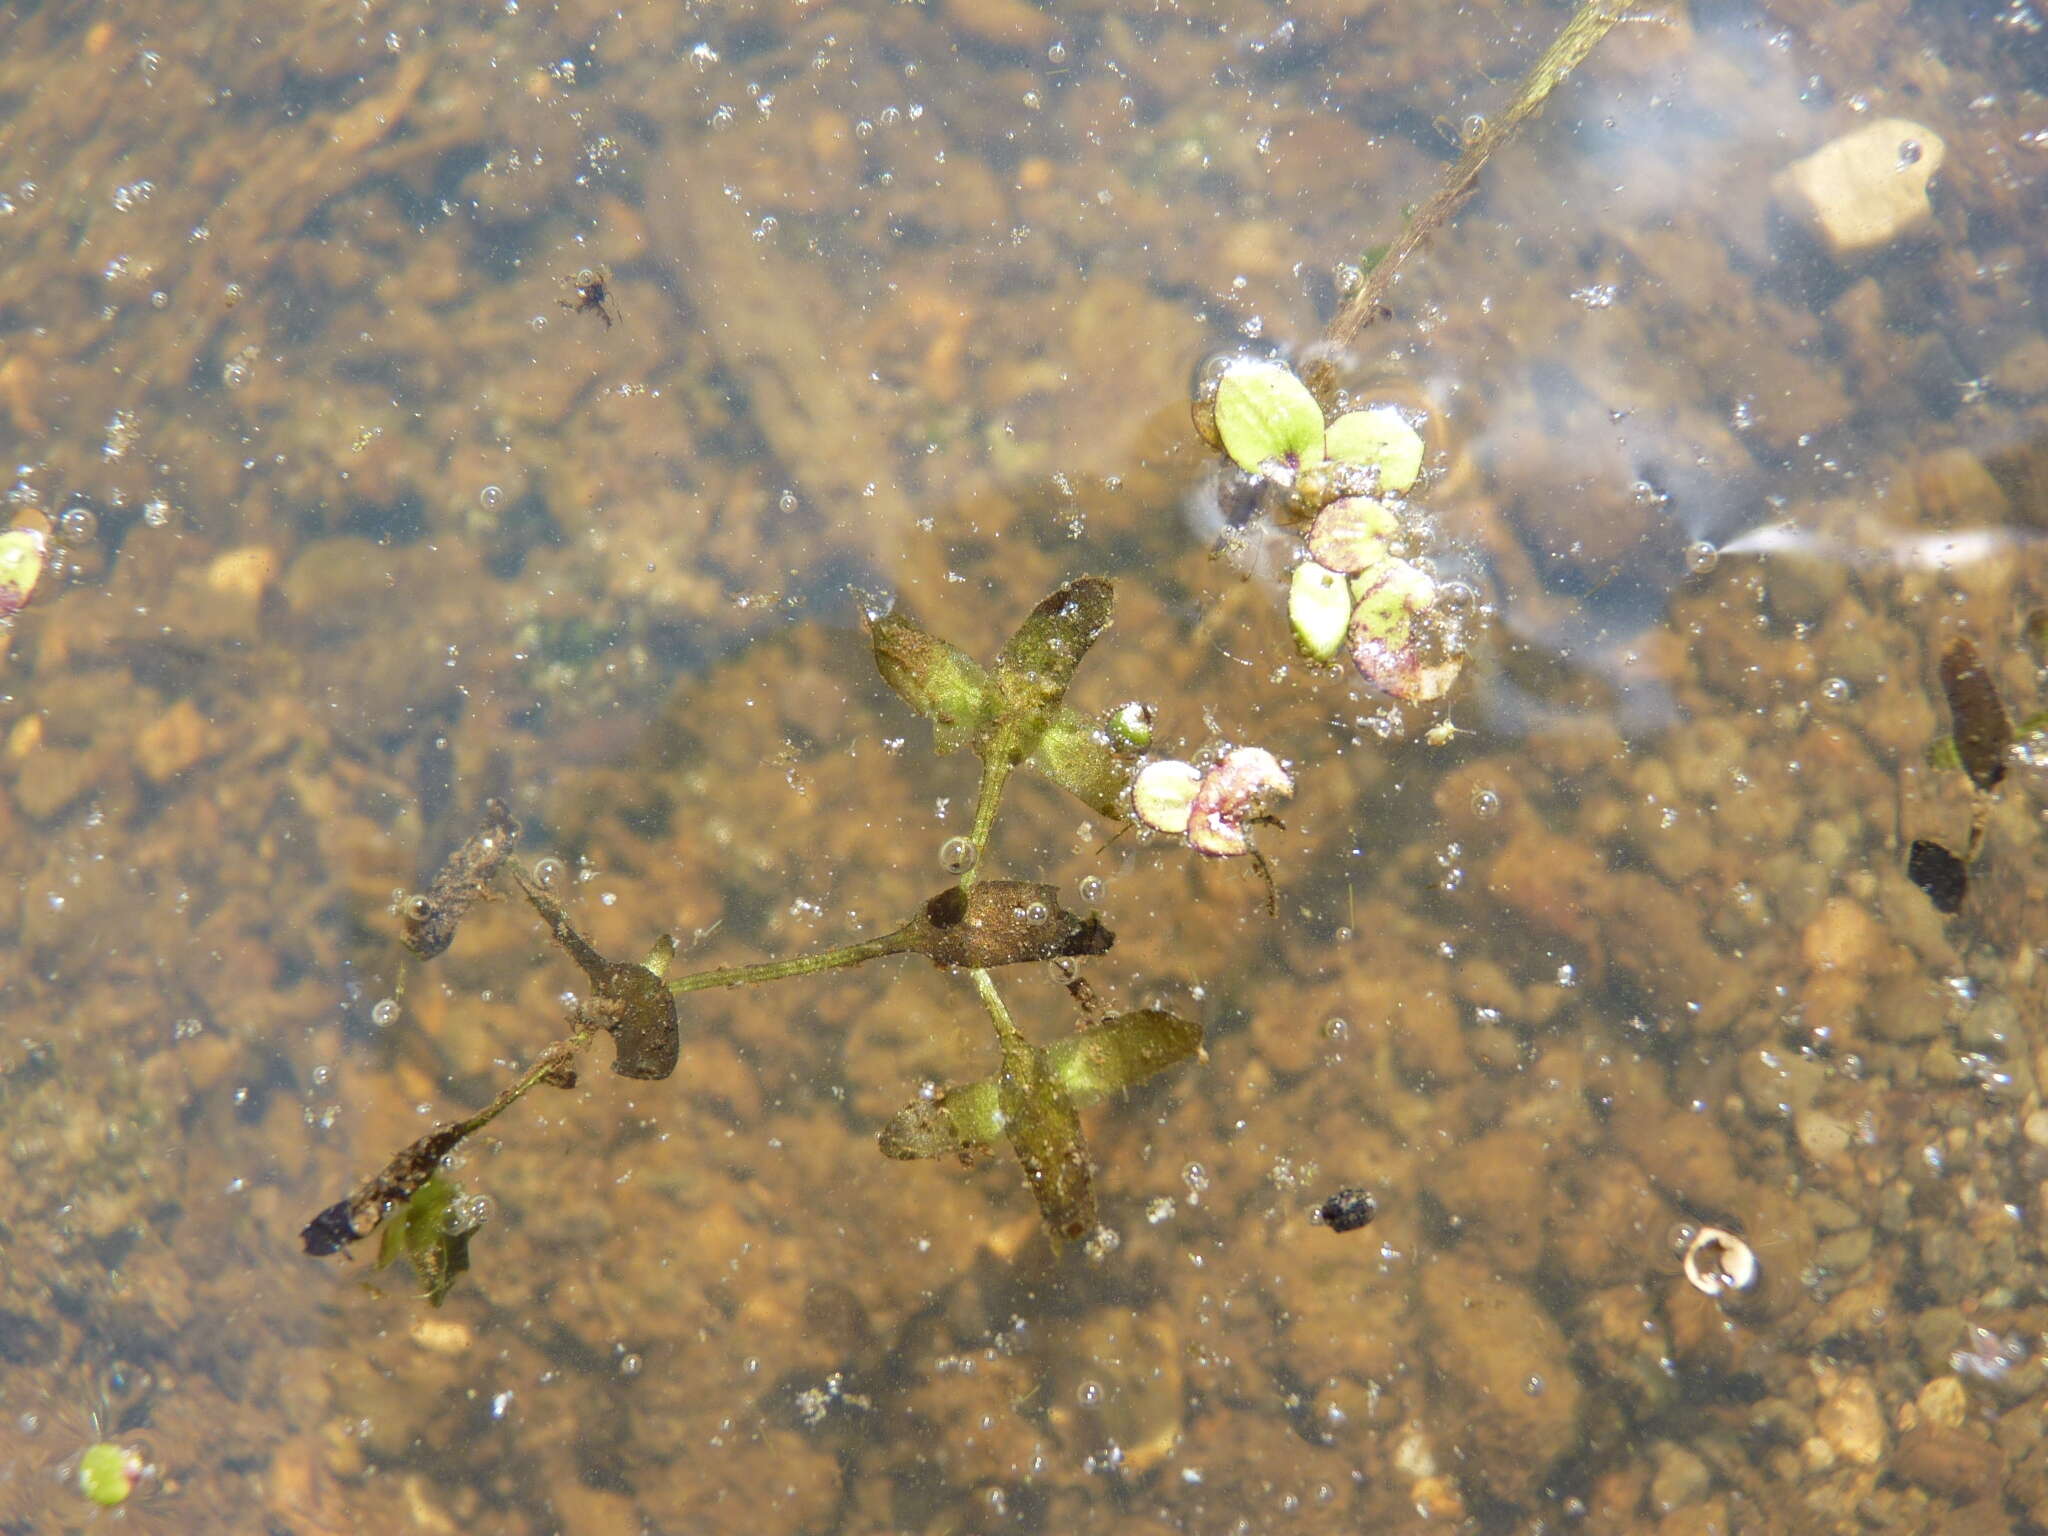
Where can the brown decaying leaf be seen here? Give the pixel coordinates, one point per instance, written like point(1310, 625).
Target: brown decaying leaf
point(428, 920)
point(1983, 732)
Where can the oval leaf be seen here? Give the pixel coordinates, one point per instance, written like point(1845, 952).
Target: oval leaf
point(1319, 609)
point(1380, 437)
point(1263, 412)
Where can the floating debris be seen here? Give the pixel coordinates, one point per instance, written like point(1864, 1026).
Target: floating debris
point(1718, 1263)
point(1347, 1210)
point(428, 919)
point(593, 287)
point(1943, 876)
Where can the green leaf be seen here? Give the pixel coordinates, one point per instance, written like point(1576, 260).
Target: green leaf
point(1319, 609)
point(1353, 535)
point(1944, 757)
point(107, 1473)
point(1122, 1051)
point(1035, 668)
point(1080, 755)
point(1045, 1132)
point(939, 681)
point(1089, 1065)
point(429, 1236)
point(1263, 412)
point(1380, 437)
point(1398, 643)
point(958, 1122)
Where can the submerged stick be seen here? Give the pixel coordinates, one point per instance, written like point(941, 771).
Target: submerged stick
point(1367, 303)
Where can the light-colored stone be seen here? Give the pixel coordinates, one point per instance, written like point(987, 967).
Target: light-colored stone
point(1944, 1402)
point(178, 739)
point(245, 574)
point(441, 1336)
point(1850, 1420)
point(1866, 189)
point(1822, 1137)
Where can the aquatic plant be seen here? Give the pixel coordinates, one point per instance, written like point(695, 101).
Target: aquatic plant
point(1338, 476)
point(1364, 583)
point(1360, 585)
point(1012, 714)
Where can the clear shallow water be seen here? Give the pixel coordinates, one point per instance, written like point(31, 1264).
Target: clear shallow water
point(907, 303)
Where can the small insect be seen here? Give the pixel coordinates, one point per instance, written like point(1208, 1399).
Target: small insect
point(593, 287)
point(1347, 1210)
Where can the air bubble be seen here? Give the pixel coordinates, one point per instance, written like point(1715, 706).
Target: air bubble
point(384, 1012)
point(1837, 690)
point(1485, 804)
point(956, 855)
point(550, 873)
point(489, 497)
point(1091, 888)
point(77, 526)
point(1701, 557)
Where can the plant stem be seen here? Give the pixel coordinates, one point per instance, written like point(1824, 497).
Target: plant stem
point(992, 1000)
point(796, 965)
point(995, 773)
point(1591, 22)
point(554, 1057)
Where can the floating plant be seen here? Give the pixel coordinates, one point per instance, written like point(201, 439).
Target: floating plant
point(1359, 588)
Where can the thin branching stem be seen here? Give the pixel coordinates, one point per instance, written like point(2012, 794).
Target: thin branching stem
point(795, 965)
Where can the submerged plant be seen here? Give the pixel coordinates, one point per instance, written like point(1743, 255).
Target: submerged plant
point(1011, 715)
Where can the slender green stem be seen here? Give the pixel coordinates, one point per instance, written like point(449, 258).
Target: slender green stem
point(796, 965)
point(1593, 21)
point(992, 1000)
point(549, 1061)
point(995, 773)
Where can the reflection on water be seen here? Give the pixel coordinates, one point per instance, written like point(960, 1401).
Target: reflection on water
point(363, 517)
